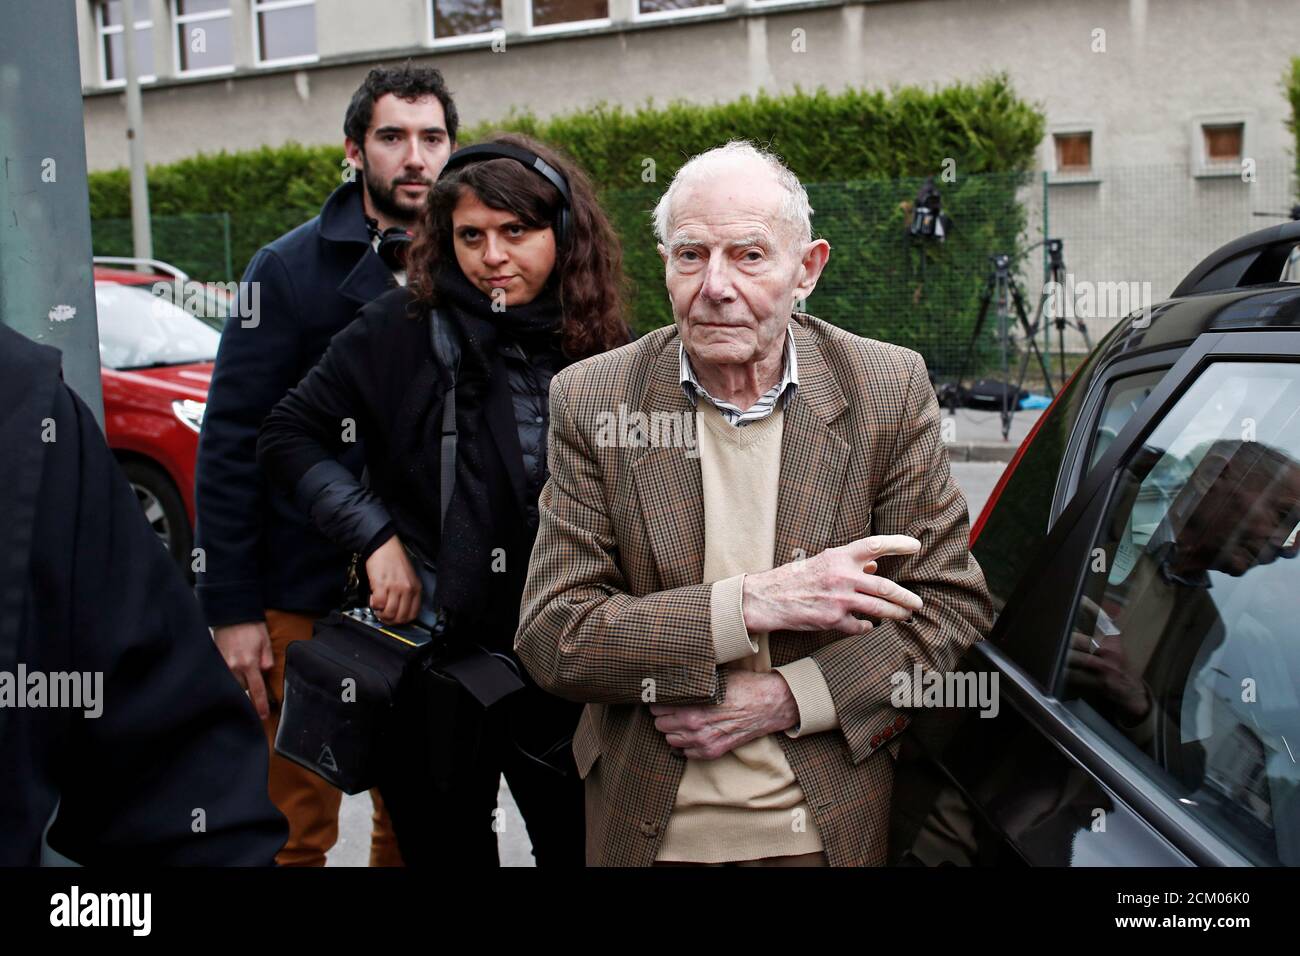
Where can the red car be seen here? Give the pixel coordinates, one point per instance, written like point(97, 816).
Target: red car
point(156, 363)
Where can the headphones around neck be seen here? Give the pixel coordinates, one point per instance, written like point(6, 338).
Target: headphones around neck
point(474, 154)
point(393, 243)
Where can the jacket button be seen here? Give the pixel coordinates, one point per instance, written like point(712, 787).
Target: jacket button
point(649, 829)
point(538, 419)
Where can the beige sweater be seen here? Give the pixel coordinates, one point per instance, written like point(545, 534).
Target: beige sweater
point(747, 804)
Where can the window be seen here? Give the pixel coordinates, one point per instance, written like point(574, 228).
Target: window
point(112, 55)
point(1071, 149)
point(465, 18)
point(1291, 271)
point(666, 8)
point(1024, 506)
point(204, 42)
point(1123, 399)
point(139, 330)
point(285, 31)
point(1219, 143)
point(1184, 649)
point(1073, 152)
point(1223, 143)
point(548, 13)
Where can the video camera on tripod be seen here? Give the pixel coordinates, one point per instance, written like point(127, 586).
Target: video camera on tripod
point(1002, 287)
point(928, 221)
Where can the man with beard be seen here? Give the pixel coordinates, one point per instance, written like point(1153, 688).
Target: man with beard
point(264, 573)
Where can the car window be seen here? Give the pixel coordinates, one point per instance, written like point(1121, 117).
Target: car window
point(1291, 269)
point(1185, 649)
point(209, 302)
point(1123, 398)
point(1023, 507)
point(138, 330)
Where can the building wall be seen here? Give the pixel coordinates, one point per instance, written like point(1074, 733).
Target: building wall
point(1142, 85)
point(1165, 63)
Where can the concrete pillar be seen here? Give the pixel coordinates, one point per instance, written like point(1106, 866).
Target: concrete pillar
point(47, 289)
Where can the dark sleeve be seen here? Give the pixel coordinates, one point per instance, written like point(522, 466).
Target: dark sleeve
point(305, 433)
point(173, 769)
point(256, 364)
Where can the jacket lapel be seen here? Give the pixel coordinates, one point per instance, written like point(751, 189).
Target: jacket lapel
point(668, 482)
point(343, 221)
point(369, 279)
point(814, 458)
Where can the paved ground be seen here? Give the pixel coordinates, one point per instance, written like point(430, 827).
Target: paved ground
point(976, 436)
point(976, 480)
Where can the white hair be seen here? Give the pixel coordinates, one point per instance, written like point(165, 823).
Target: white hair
point(794, 211)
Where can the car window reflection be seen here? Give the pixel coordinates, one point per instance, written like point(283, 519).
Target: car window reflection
point(1185, 639)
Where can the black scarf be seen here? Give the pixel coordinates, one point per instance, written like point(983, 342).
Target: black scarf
point(482, 516)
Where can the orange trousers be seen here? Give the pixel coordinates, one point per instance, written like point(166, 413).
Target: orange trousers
point(309, 803)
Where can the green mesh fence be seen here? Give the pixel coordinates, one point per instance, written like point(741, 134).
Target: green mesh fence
point(1142, 228)
point(199, 243)
point(879, 282)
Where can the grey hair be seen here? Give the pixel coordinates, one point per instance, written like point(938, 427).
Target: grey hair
point(794, 211)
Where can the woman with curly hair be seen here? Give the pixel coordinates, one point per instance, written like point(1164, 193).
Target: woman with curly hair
point(519, 271)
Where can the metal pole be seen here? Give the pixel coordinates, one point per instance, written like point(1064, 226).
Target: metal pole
point(225, 233)
point(141, 237)
point(46, 288)
point(1047, 265)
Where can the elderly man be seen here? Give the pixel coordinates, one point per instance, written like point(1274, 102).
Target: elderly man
point(731, 602)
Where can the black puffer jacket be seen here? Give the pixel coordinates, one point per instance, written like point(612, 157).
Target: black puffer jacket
point(379, 382)
point(530, 385)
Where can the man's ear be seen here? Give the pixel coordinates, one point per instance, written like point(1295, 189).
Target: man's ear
point(663, 253)
point(815, 256)
point(354, 153)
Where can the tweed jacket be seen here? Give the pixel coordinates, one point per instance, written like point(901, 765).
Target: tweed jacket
point(615, 613)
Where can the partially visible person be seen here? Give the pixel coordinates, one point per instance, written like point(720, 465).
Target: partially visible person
point(129, 722)
point(1141, 653)
point(520, 270)
point(267, 574)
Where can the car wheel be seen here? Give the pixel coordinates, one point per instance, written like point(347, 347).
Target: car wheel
point(163, 509)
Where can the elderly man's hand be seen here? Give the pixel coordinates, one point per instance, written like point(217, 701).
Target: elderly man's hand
point(833, 591)
point(756, 705)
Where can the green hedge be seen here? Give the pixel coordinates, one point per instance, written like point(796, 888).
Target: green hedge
point(823, 137)
point(861, 153)
point(265, 192)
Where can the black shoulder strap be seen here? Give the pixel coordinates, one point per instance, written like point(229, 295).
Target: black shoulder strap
point(447, 351)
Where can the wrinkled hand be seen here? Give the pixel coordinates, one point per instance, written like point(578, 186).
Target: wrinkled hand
point(246, 649)
point(756, 705)
point(394, 587)
point(826, 592)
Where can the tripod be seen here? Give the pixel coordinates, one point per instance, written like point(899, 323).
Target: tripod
point(1002, 285)
point(1054, 286)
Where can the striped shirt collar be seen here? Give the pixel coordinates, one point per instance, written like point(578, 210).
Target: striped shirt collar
point(766, 402)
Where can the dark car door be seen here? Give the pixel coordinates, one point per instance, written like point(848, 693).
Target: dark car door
point(1147, 669)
